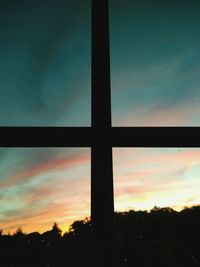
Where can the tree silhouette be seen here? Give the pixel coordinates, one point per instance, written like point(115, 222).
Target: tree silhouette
point(159, 237)
point(80, 227)
point(19, 232)
point(56, 230)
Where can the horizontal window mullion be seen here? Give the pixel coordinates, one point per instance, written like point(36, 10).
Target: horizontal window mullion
point(87, 136)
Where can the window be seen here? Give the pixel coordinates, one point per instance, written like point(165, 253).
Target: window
point(39, 186)
point(162, 177)
point(45, 63)
point(113, 137)
point(155, 63)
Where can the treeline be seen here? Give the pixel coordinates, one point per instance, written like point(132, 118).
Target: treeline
point(160, 237)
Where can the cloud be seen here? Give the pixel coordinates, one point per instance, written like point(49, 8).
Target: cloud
point(43, 186)
point(37, 220)
point(52, 165)
point(155, 69)
point(156, 176)
point(157, 116)
point(139, 157)
point(64, 203)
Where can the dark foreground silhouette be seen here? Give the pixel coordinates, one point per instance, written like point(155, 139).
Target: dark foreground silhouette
point(161, 237)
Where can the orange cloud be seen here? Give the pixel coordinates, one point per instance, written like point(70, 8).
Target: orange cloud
point(145, 177)
point(63, 211)
point(57, 199)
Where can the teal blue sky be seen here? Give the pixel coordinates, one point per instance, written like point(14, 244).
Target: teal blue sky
point(45, 63)
point(45, 67)
point(155, 62)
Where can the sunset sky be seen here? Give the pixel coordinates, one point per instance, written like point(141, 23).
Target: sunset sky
point(39, 186)
point(45, 80)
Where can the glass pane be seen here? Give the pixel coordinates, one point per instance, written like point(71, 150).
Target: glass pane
point(155, 62)
point(40, 186)
point(45, 63)
point(157, 197)
point(162, 177)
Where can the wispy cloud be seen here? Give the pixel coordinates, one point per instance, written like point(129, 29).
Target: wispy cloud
point(63, 202)
point(51, 165)
point(159, 176)
point(45, 187)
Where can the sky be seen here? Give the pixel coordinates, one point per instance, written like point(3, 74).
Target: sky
point(155, 62)
point(45, 63)
point(45, 67)
point(45, 80)
point(40, 186)
point(149, 177)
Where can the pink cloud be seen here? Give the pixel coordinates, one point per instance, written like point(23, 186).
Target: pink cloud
point(158, 116)
point(57, 199)
point(44, 167)
point(59, 189)
point(63, 202)
point(155, 176)
point(138, 157)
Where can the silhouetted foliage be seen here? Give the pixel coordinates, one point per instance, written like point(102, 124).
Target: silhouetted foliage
point(81, 227)
point(160, 237)
point(19, 232)
point(56, 230)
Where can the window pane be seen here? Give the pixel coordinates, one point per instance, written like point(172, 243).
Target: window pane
point(40, 186)
point(158, 203)
point(155, 62)
point(45, 63)
point(162, 177)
